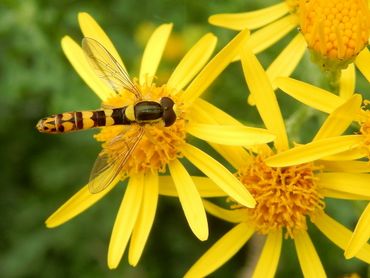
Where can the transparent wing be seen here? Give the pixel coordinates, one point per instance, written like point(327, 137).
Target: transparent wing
point(107, 67)
point(106, 170)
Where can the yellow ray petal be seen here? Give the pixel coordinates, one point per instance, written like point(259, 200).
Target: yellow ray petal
point(346, 166)
point(269, 259)
point(221, 251)
point(264, 96)
point(362, 63)
point(270, 34)
point(315, 150)
point(153, 53)
point(91, 29)
point(287, 60)
point(339, 235)
point(204, 112)
point(78, 203)
point(340, 119)
point(251, 20)
point(357, 184)
point(125, 220)
point(190, 200)
point(347, 82)
point(330, 193)
point(353, 154)
point(193, 62)
point(308, 259)
point(230, 215)
point(233, 135)
point(310, 95)
point(220, 175)
point(77, 58)
point(145, 219)
point(211, 71)
point(360, 235)
point(205, 186)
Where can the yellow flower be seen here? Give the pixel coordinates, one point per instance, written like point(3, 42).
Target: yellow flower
point(336, 36)
point(160, 147)
point(288, 195)
point(327, 102)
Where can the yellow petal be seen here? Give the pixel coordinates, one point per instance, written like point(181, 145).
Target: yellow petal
point(77, 58)
point(308, 259)
point(125, 220)
point(357, 184)
point(205, 186)
point(346, 166)
point(339, 235)
point(264, 96)
point(145, 219)
point(270, 34)
point(153, 53)
point(220, 175)
point(233, 135)
point(192, 62)
point(315, 150)
point(362, 63)
point(204, 112)
point(347, 82)
point(340, 119)
point(269, 259)
point(91, 29)
point(211, 71)
point(233, 216)
point(190, 200)
point(310, 95)
point(287, 60)
point(360, 235)
point(353, 154)
point(78, 203)
point(221, 251)
point(251, 20)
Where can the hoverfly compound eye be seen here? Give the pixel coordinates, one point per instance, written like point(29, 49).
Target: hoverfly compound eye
point(169, 115)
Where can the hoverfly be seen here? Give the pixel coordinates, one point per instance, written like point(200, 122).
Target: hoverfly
point(141, 113)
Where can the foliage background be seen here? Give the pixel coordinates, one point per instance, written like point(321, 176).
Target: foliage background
point(39, 172)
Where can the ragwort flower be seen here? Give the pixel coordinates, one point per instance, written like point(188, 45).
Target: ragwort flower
point(160, 147)
point(328, 102)
point(336, 32)
point(287, 194)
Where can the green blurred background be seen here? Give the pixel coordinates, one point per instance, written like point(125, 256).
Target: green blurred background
point(39, 172)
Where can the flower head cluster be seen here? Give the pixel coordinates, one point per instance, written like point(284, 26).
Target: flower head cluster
point(277, 186)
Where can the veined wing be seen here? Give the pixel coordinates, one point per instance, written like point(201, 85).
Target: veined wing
point(107, 67)
point(108, 169)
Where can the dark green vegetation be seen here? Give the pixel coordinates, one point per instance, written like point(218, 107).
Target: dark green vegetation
point(39, 172)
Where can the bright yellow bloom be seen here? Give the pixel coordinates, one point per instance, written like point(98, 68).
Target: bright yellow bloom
point(161, 147)
point(288, 195)
point(330, 103)
point(335, 31)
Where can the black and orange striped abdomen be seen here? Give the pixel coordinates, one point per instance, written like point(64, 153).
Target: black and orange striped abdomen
point(73, 121)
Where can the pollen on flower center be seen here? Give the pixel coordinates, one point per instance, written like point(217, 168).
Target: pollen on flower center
point(335, 29)
point(285, 196)
point(157, 147)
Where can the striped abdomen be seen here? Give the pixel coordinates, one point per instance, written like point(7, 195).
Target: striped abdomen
point(72, 121)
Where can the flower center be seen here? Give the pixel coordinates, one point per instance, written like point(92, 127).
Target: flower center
point(158, 145)
point(285, 196)
point(335, 30)
point(365, 127)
